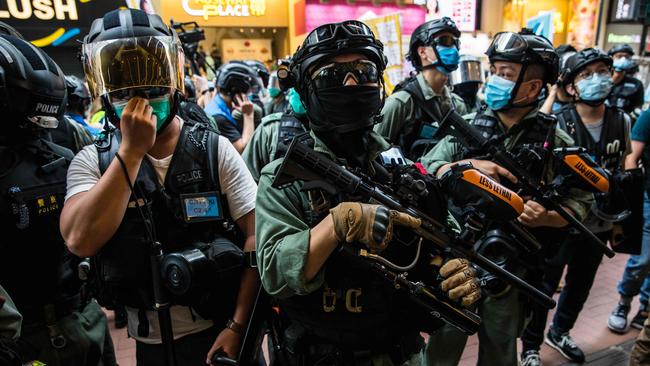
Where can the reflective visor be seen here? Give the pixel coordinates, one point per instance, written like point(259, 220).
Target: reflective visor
point(328, 31)
point(509, 42)
point(336, 74)
point(133, 63)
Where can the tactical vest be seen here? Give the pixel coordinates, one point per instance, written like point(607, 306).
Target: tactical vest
point(609, 151)
point(290, 127)
point(622, 92)
point(124, 262)
point(536, 132)
point(35, 267)
point(354, 308)
point(427, 116)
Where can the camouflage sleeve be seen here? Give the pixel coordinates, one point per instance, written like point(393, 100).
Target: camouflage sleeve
point(260, 149)
point(395, 114)
point(282, 238)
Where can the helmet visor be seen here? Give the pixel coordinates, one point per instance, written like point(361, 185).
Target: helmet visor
point(137, 62)
point(467, 71)
point(509, 43)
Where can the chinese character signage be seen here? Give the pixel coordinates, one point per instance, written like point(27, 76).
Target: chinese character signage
point(388, 29)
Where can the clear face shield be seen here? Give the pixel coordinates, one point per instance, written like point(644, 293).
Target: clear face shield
point(140, 62)
point(469, 70)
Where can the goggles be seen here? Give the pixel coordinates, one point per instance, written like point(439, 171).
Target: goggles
point(351, 29)
point(514, 46)
point(445, 41)
point(124, 95)
point(336, 74)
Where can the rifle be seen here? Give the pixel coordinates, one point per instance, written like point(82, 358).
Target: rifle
point(301, 162)
point(546, 195)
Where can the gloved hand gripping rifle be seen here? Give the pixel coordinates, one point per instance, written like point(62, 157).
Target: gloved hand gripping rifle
point(301, 162)
point(547, 195)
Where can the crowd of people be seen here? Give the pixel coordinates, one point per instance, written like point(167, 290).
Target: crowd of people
point(209, 205)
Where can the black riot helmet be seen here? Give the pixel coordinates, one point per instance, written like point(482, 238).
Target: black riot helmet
point(425, 34)
point(32, 86)
point(525, 48)
point(235, 78)
point(129, 52)
point(78, 95)
point(321, 45)
point(9, 30)
point(580, 60)
point(621, 48)
point(261, 70)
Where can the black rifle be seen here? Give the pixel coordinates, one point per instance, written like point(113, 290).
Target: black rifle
point(547, 195)
point(301, 162)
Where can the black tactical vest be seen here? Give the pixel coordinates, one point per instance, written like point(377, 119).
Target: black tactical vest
point(622, 93)
point(427, 115)
point(610, 150)
point(123, 263)
point(35, 266)
point(290, 127)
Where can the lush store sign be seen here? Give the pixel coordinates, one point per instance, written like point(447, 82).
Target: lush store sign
point(224, 8)
point(54, 22)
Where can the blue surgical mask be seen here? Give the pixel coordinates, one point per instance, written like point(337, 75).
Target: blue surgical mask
point(296, 104)
point(161, 109)
point(623, 64)
point(595, 89)
point(274, 92)
point(498, 92)
point(449, 57)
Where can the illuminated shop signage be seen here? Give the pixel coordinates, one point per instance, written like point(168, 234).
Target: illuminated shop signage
point(41, 9)
point(224, 8)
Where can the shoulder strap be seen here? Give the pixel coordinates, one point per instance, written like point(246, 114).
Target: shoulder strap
point(428, 107)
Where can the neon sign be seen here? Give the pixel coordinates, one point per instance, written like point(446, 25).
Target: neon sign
point(224, 8)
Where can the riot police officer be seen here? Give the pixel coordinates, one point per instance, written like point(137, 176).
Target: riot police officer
point(269, 139)
point(32, 188)
point(627, 92)
point(277, 101)
point(521, 64)
point(604, 132)
point(234, 82)
point(160, 179)
point(334, 311)
point(466, 82)
point(411, 113)
point(557, 95)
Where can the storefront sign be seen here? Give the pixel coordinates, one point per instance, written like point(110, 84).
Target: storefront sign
point(224, 8)
point(624, 33)
point(624, 10)
point(55, 22)
point(463, 12)
point(581, 29)
point(388, 29)
point(317, 13)
point(246, 49)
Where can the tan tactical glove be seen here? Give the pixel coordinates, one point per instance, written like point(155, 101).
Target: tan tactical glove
point(371, 225)
point(460, 281)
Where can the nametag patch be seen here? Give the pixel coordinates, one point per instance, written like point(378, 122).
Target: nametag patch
point(204, 206)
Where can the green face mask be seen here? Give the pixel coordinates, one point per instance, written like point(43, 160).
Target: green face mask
point(296, 104)
point(161, 109)
point(274, 92)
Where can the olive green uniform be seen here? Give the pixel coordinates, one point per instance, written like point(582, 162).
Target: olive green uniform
point(400, 112)
point(263, 145)
point(283, 232)
point(504, 318)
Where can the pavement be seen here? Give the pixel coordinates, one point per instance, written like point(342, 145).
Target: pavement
point(601, 346)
